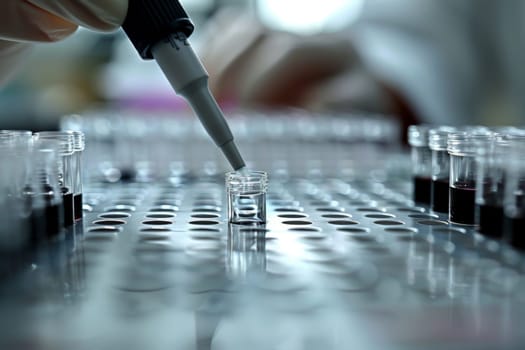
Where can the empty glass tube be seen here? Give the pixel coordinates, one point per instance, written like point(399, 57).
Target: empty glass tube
point(247, 197)
point(421, 162)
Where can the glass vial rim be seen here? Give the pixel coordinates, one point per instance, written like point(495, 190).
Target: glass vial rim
point(64, 139)
point(467, 143)
point(418, 135)
point(438, 137)
point(246, 182)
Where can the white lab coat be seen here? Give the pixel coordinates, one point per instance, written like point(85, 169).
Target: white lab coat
point(456, 61)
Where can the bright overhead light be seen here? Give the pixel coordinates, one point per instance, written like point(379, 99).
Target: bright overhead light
point(308, 16)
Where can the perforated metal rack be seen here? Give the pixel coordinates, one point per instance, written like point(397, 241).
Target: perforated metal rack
point(345, 261)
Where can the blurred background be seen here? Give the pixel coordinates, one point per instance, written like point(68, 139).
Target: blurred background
point(90, 69)
point(443, 62)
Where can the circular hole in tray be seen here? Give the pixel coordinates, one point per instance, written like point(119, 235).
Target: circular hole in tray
point(165, 208)
point(292, 216)
point(160, 215)
point(204, 222)
point(115, 215)
point(330, 209)
point(127, 208)
point(372, 210)
point(336, 216)
point(155, 229)
point(205, 229)
point(205, 216)
point(206, 209)
point(343, 222)
point(389, 222)
point(433, 223)
point(411, 210)
point(353, 229)
point(305, 229)
point(380, 216)
point(297, 222)
point(109, 222)
point(423, 216)
point(401, 230)
point(290, 209)
point(102, 229)
point(157, 222)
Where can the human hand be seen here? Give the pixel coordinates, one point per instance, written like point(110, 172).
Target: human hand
point(26, 21)
point(256, 66)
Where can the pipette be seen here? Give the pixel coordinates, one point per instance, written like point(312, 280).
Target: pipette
point(159, 29)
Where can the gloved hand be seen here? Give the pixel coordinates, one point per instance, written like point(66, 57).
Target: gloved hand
point(26, 21)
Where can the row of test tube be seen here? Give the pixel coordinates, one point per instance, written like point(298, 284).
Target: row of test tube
point(157, 146)
point(40, 190)
point(474, 174)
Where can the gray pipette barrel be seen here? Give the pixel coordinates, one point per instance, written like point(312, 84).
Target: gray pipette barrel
point(159, 29)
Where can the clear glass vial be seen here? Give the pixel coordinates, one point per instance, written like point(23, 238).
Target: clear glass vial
point(43, 193)
point(78, 148)
point(246, 191)
point(462, 147)
point(66, 145)
point(421, 162)
point(490, 162)
point(514, 197)
point(440, 159)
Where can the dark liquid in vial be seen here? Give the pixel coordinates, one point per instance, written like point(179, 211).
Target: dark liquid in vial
point(517, 232)
point(490, 220)
point(462, 203)
point(440, 192)
point(422, 188)
point(38, 225)
point(53, 220)
point(46, 223)
point(78, 206)
point(67, 201)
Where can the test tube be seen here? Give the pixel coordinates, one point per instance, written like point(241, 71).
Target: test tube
point(421, 162)
point(514, 198)
point(14, 230)
point(440, 159)
point(246, 192)
point(65, 141)
point(462, 147)
point(490, 184)
point(43, 193)
point(79, 145)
